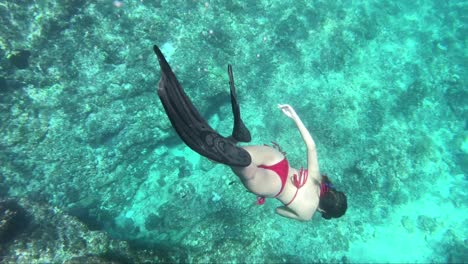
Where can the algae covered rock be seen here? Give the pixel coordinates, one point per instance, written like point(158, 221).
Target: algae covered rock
point(13, 219)
point(32, 232)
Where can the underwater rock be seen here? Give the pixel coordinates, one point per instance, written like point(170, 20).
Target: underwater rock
point(4, 187)
point(427, 224)
point(407, 223)
point(89, 259)
point(46, 234)
point(153, 222)
point(102, 127)
point(207, 165)
point(3, 84)
point(20, 58)
point(13, 219)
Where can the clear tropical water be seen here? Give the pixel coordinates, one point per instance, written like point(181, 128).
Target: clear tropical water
point(381, 85)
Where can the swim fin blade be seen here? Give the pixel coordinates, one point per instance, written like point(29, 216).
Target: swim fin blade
point(190, 125)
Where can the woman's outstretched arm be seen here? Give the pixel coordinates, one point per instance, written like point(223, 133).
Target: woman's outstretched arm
point(312, 162)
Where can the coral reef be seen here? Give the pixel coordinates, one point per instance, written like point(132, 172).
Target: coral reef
point(37, 233)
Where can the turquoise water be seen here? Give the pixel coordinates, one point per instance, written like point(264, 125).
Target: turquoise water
point(381, 85)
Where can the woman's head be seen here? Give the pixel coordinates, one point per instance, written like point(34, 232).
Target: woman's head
point(333, 203)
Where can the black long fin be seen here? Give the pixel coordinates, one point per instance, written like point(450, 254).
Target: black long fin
point(239, 132)
point(190, 125)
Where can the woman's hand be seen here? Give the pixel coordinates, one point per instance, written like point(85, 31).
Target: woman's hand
point(288, 111)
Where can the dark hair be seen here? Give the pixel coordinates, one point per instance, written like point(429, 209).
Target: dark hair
point(333, 202)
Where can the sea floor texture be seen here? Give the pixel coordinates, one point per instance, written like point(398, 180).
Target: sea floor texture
point(92, 171)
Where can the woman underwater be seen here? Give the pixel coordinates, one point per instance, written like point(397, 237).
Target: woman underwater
point(263, 170)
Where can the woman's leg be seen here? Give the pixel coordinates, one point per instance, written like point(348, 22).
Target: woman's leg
point(190, 125)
